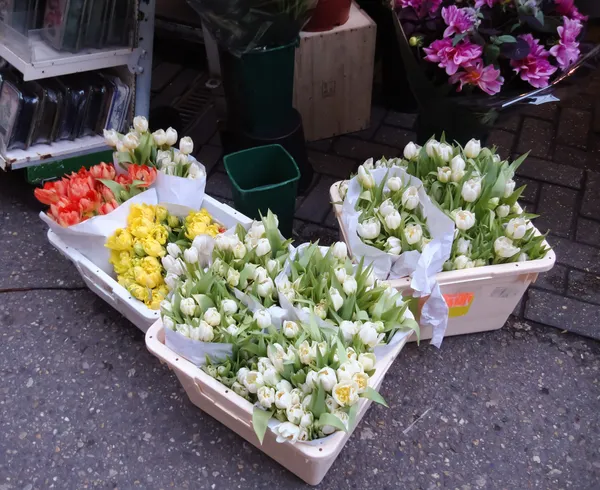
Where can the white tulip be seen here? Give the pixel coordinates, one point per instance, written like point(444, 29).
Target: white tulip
point(111, 137)
point(350, 354)
point(272, 266)
point(343, 416)
point(411, 151)
point(516, 228)
point(460, 262)
point(169, 262)
point(340, 274)
point(173, 250)
point(168, 322)
point(493, 203)
point(336, 299)
point(365, 178)
point(350, 285)
point(262, 318)
point(457, 176)
point(463, 246)
point(284, 385)
point(160, 138)
point(523, 257)
point(290, 329)
point(253, 380)
point(509, 188)
point(349, 330)
point(184, 329)
point(233, 277)
point(394, 245)
point(368, 164)
point(140, 123)
point(294, 413)
point(457, 164)
point(241, 374)
point(121, 147)
point(393, 220)
point(265, 288)
point(473, 148)
point(394, 184)
point(327, 378)
point(503, 210)
point(444, 151)
point(187, 306)
point(348, 369)
point(471, 190)
point(312, 380)
point(362, 381)
point(321, 310)
point(232, 329)
point(306, 352)
point(222, 242)
point(367, 361)
point(171, 280)
point(410, 198)
point(306, 420)
point(263, 364)
point(263, 247)
point(431, 148)
point(259, 274)
point(283, 399)
point(212, 317)
point(287, 432)
point(186, 145)
point(444, 173)
point(413, 233)
point(370, 279)
point(266, 396)
point(340, 250)
point(368, 335)
point(195, 172)
point(345, 393)
point(229, 306)
point(386, 207)
point(369, 229)
point(503, 246)
point(131, 141)
point(171, 135)
point(516, 208)
point(239, 389)
point(271, 377)
point(479, 263)
point(191, 255)
point(331, 404)
point(205, 332)
point(464, 220)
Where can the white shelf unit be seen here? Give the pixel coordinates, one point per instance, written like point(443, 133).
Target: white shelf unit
point(35, 60)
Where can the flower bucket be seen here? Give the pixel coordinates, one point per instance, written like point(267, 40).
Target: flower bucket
point(329, 14)
point(263, 178)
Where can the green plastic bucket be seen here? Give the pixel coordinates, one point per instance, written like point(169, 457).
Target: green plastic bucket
point(259, 86)
point(263, 178)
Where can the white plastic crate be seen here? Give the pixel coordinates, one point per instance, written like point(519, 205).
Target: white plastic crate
point(479, 299)
point(116, 295)
point(309, 462)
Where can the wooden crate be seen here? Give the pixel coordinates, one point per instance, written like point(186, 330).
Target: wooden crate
point(334, 77)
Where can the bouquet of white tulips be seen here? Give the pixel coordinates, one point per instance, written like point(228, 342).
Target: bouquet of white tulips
point(475, 187)
point(304, 383)
point(322, 281)
point(249, 261)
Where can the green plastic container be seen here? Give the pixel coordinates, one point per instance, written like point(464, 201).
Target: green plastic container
point(263, 178)
point(259, 86)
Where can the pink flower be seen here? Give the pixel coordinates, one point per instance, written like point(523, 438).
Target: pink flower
point(422, 7)
point(566, 51)
point(452, 57)
point(567, 8)
point(489, 3)
point(535, 67)
point(458, 20)
point(487, 78)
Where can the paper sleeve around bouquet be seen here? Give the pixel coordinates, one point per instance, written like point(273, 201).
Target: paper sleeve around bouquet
point(182, 190)
point(89, 237)
point(196, 351)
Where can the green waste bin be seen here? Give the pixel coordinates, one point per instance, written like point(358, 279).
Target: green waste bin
point(263, 178)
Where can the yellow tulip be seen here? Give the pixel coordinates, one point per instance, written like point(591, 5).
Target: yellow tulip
point(153, 248)
point(125, 281)
point(140, 211)
point(120, 240)
point(194, 229)
point(154, 302)
point(151, 264)
point(141, 227)
point(173, 221)
point(161, 214)
point(123, 262)
point(139, 292)
point(138, 248)
point(160, 234)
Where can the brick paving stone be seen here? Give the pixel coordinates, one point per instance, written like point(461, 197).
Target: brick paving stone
point(509, 122)
point(218, 185)
point(389, 135)
point(541, 111)
point(584, 286)
point(536, 136)
point(564, 313)
point(503, 140)
point(406, 121)
point(551, 172)
point(205, 128)
point(318, 203)
point(588, 231)
point(574, 157)
point(163, 73)
point(518, 311)
point(325, 163)
point(554, 280)
point(321, 145)
point(590, 206)
point(377, 115)
point(361, 150)
point(325, 236)
point(575, 254)
point(573, 128)
point(579, 101)
point(557, 209)
point(530, 194)
point(331, 221)
point(209, 156)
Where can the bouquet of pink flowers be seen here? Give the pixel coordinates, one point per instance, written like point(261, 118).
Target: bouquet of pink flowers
point(485, 45)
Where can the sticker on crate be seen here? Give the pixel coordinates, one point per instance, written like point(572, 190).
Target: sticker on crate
point(458, 303)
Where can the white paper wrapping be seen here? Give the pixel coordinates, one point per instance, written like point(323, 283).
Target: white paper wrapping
point(196, 351)
point(89, 237)
point(181, 190)
point(278, 314)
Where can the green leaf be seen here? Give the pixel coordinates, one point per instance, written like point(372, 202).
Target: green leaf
point(330, 419)
point(317, 402)
point(491, 54)
point(507, 39)
point(114, 188)
point(124, 157)
point(260, 422)
point(352, 415)
point(371, 394)
point(455, 40)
